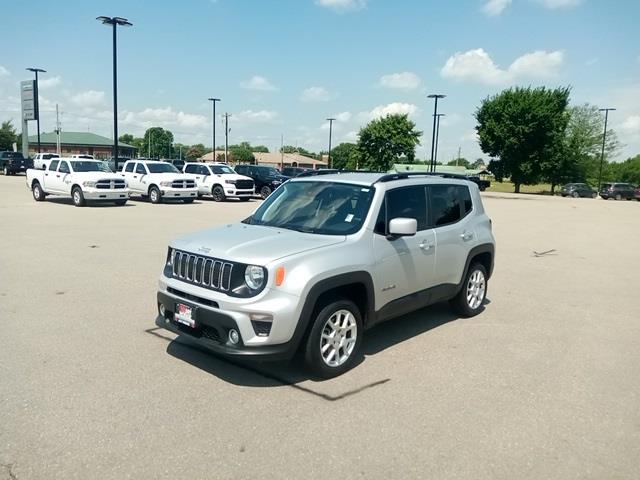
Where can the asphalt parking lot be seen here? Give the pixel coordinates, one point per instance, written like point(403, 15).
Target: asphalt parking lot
point(544, 384)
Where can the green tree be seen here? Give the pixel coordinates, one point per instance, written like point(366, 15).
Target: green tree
point(7, 135)
point(160, 145)
point(478, 163)
point(298, 150)
point(524, 129)
point(131, 140)
point(627, 171)
point(345, 156)
point(195, 151)
point(460, 162)
point(260, 148)
point(242, 153)
point(382, 142)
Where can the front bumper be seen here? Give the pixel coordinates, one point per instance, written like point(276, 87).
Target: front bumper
point(169, 193)
point(233, 193)
point(106, 194)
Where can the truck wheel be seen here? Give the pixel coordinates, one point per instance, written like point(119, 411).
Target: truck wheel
point(5, 170)
point(78, 197)
point(218, 194)
point(265, 192)
point(470, 299)
point(154, 195)
point(575, 194)
point(333, 344)
point(38, 194)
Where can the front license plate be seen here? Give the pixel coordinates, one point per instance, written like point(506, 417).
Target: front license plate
point(185, 315)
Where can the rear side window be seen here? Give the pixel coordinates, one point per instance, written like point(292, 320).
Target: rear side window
point(446, 204)
point(64, 167)
point(407, 202)
point(465, 198)
point(140, 169)
point(129, 167)
point(191, 169)
point(53, 165)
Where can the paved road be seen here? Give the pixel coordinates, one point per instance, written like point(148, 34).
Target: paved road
point(544, 384)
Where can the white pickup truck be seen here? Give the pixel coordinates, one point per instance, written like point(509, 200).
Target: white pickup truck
point(159, 181)
point(82, 180)
point(41, 160)
point(220, 181)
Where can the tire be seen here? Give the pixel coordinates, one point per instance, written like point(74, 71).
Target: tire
point(217, 192)
point(120, 203)
point(575, 195)
point(5, 170)
point(188, 200)
point(246, 199)
point(265, 192)
point(154, 195)
point(470, 299)
point(318, 356)
point(618, 196)
point(78, 197)
point(38, 194)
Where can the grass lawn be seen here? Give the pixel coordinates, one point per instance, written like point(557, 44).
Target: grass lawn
point(507, 187)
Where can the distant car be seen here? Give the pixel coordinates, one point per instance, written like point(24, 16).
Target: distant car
point(13, 162)
point(83, 156)
point(176, 162)
point(40, 161)
point(294, 171)
point(266, 179)
point(617, 191)
point(220, 181)
point(577, 190)
point(636, 193)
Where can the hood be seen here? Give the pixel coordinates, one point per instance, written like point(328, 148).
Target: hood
point(168, 177)
point(95, 176)
point(230, 176)
point(252, 244)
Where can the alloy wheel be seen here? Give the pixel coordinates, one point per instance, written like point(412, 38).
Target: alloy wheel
point(338, 338)
point(476, 288)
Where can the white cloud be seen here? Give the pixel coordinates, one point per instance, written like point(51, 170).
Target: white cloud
point(257, 82)
point(342, 117)
point(315, 94)
point(477, 65)
point(401, 81)
point(631, 125)
point(4, 72)
point(391, 109)
point(252, 116)
point(343, 5)
point(493, 8)
point(165, 117)
point(557, 4)
point(89, 99)
point(50, 82)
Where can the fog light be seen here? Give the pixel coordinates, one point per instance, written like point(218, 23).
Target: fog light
point(161, 309)
point(234, 336)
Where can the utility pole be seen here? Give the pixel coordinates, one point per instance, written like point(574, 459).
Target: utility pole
point(458, 159)
point(226, 137)
point(435, 96)
point(604, 140)
point(213, 133)
point(281, 151)
point(57, 131)
point(331, 120)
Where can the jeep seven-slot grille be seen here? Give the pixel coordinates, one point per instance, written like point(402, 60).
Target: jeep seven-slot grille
point(110, 184)
point(244, 184)
point(204, 271)
point(183, 184)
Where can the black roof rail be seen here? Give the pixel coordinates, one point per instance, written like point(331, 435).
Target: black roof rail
point(330, 171)
point(405, 175)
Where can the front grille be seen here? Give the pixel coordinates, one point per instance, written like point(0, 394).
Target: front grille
point(110, 184)
point(262, 329)
point(183, 184)
point(210, 333)
point(244, 184)
point(207, 272)
point(193, 298)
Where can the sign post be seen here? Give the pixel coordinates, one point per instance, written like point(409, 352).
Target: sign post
point(29, 103)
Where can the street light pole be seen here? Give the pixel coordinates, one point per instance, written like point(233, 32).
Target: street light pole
point(114, 22)
point(331, 120)
point(604, 139)
point(37, 97)
point(435, 96)
point(213, 133)
point(435, 156)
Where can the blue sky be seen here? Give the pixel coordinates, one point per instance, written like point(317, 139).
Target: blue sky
point(283, 66)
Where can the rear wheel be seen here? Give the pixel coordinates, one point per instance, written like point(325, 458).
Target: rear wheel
point(265, 192)
point(154, 195)
point(38, 194)
point(333, 344)
point(218, 194)
point(5, 170)
point(470, 299)
point(78, 197)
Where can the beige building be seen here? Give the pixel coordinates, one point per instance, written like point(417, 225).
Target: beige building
point(275, 159)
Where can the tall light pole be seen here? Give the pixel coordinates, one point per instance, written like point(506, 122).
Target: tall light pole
point(435, 156)
point(435, 96)
point(226, 137)
point(114, 22)
point(604, 139)
point(213, 133)
point(331, 120)
point(37, 103)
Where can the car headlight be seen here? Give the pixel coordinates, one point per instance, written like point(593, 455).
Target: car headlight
point(232, 182)
point(88, 184)
point(254, 277)
point(165, 184)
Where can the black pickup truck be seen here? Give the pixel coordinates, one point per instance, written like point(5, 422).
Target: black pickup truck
point(13, 162)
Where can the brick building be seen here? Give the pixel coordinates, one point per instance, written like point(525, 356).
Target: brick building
point(73, 143)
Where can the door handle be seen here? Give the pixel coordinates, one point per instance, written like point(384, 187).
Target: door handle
point(135, 176)
point(426, 246)
point(466, 236)
point(58, 176)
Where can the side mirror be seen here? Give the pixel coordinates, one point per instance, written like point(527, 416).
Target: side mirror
point(403, 227)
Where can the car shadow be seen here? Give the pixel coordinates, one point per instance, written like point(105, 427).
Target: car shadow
point(167, 201)
point(97, 204)
point(209, 199)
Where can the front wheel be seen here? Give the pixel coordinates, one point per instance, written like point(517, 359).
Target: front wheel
point(218, 194)
point(78, 197)
point(470, 299)
point(154, 195)
point(38, 194)
point(5, 170)
point(333, 344)
point(575, 194)
point(265, 192)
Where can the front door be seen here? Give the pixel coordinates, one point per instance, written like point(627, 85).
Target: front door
point(58, 182)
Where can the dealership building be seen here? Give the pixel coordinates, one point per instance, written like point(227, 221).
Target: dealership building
point(75, 143)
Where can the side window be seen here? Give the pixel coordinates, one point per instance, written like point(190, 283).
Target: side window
point(465, 199)
point(191, 169)
point(140, 169)
point(445, 204)
point(204, 170)
point(129, 167)
point(407, 202)
point(64, 168)
point(53, 165)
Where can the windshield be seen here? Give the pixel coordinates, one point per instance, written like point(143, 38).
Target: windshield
point(220, 169)
point(161, 168)
point(89, 166)
point(16, 155)
point(269, 172)
point(324, 208)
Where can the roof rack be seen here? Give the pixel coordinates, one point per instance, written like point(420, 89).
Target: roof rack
point(330, 171)
point(404, 175)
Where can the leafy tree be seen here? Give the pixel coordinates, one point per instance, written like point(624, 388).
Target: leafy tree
point(131, 140)
point(260, 148)
point(298, 150)
point(7, 136)
point(460, 162)
point(160, 146)
point(345, 156)
point(477, 163)
point(242, 153)
point(195, 151)
point(627, 171)
point(524, 129)
point(382, 142)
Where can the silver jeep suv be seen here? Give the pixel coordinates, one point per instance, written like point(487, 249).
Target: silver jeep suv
point(324, 258)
